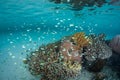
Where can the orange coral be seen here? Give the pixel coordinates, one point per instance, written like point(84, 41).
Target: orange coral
point(80, 39)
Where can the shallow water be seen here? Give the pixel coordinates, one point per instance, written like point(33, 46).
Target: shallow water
point(25, 25)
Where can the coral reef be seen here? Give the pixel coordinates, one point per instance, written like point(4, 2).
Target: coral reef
point(51, 64)
point(65, 58)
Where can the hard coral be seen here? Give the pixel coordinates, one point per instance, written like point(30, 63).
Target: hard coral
point(49, 62)
point(63, 59)
point(96, 53)
point(98, 49)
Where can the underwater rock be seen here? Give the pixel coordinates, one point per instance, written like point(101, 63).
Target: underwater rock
point(115, 44)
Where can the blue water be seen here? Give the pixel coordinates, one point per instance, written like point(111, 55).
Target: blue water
point(26, 24)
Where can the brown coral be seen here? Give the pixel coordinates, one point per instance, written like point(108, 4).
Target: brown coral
point(98, 48)
point(81, 40)
point(70, 51)
point(96, 53)
point(49, 63)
